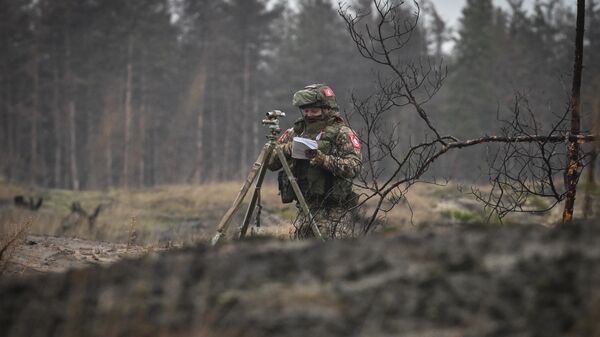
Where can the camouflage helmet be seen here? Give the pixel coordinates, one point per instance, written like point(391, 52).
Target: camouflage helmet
point(315, 95)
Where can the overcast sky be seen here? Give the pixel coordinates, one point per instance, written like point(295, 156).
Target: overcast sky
point(451, 10)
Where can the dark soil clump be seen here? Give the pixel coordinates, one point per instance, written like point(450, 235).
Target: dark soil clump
point(446, 281)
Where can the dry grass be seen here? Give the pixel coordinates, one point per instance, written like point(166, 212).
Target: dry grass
point(185, 214)
point(175, 214)
point(427, 204)
point(421, 205)
point(132, 234)
point(11, 236)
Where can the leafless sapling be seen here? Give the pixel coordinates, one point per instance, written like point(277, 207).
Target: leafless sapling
point(531, 160)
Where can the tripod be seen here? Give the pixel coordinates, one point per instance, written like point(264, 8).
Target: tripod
point(259, 168)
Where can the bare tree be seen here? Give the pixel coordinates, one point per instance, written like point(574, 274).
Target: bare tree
point(574, 166)
point(128, 109)
point(530, 160)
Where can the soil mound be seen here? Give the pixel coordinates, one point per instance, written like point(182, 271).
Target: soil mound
point(443, 281)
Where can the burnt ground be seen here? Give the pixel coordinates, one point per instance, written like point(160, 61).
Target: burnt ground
point(441, 281)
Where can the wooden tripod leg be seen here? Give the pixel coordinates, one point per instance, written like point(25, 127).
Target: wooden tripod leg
point(255, 194)
point(226, 220)
point(298, 193)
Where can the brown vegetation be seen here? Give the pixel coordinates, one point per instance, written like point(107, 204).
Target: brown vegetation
point(180, 215)
point(11, 236)
point(467, 281)
point(530, 161)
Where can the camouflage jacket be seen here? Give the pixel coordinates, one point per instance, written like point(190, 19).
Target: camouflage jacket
point(338, 160)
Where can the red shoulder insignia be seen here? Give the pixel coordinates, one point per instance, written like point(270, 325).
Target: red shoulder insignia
point(339, 119)
point(282, 137)
point(354, 140)
point(328, 92)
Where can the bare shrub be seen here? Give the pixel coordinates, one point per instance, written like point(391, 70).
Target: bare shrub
point(11, 236)
point(530, 162)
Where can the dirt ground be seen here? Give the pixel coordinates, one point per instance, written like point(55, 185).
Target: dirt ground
point(447, 280)
point(43, 254)
point(174, 216)
point(435, 269)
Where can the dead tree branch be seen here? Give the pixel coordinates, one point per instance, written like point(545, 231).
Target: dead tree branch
point(81, 215)
point(529, 161)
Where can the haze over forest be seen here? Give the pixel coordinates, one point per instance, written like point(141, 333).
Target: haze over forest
point(98, 94)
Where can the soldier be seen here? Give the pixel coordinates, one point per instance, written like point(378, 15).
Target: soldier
point(325, 178)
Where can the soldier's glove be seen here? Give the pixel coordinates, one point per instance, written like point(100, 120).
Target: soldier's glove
point(310, 154)
point(324, 146)
point(318, 159)
point(286, 148)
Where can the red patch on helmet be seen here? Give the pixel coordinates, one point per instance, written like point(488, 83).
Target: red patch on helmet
point(328, 92)
point(355, 141)
point(282, 137)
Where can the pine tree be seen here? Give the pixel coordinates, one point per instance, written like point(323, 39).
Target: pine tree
point(224, 46)
point(471, 83)
point(591, 78)
point(15, 37)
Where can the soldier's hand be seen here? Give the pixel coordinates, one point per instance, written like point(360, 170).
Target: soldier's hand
point(324, 146)
point(286, 149)
point(318, 159)
point(310, 154)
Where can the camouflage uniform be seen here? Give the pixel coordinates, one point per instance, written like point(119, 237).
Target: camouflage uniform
point(326, 178)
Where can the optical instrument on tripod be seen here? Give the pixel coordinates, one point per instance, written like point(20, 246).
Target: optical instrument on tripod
point(259, 169)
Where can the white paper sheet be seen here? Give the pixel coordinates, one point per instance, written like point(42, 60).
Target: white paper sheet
point(302, 144)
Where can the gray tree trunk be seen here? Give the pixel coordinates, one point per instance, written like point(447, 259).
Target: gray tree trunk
point(128, 112)
point(56, 116)
point(243, 159)
point(34, 168)
point(255, 127)
point(72, 113)
point(7, 143)
point(199, 87)
point(73, 146)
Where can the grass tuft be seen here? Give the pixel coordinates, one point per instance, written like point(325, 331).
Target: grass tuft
point(11, 236)
point(464, 216)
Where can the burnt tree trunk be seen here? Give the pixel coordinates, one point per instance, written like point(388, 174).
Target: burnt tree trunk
point(574, 165)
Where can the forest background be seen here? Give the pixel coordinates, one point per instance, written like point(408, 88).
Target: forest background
point(101, 94)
